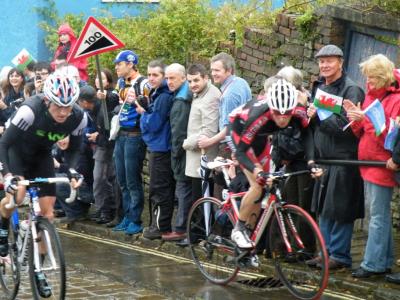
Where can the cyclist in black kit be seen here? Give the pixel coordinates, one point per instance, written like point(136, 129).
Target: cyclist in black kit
point(250, 126)
point(25, 147)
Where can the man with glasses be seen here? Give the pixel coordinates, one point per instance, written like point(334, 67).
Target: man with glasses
point(42, 70)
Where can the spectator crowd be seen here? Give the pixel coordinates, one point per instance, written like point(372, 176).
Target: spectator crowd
point(178, 115)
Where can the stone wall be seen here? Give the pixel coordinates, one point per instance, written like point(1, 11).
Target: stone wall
point(264, 53)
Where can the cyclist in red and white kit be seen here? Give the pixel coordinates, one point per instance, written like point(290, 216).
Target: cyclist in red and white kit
point(250, 126)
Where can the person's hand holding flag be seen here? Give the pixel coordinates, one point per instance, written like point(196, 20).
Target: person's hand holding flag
point(353, 112)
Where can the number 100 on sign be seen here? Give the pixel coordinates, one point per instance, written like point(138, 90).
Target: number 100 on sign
point(93, 38)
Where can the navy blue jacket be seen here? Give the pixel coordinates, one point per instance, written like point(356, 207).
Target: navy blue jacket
point(154, 123)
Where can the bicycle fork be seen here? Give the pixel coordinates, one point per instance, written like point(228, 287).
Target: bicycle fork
point(292, 227)
point(37, 256)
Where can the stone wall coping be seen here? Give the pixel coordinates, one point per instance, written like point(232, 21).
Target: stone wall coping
point(370, 18)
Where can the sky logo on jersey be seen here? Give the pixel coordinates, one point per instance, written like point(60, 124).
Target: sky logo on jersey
point(51, 136)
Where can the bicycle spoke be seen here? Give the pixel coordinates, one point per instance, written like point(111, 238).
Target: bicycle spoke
point(10, 268)
point(295, 238)
point(47, 266)
point(209, 241)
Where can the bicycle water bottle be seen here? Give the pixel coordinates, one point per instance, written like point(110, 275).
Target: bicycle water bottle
point(23, 228)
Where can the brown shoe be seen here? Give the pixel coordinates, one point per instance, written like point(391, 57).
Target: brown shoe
point(314, 262)
point(335, 265)
point(173, 236)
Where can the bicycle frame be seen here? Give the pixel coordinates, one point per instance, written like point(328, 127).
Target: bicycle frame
point(32, 217)
point(274, 201)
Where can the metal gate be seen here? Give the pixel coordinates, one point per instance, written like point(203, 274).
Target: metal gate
point(363, 42)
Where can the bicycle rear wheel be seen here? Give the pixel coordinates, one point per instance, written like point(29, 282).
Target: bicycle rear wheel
point(49, 260)
point(305, 241)
point(209, 240)
point(10, 268)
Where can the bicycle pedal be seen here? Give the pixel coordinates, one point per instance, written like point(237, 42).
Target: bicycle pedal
point(250, 261)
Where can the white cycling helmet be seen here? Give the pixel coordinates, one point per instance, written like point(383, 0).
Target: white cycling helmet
point(282, 96)
point(61, 89)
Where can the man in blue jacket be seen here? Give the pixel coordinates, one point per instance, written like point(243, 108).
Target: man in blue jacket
point(156, 133)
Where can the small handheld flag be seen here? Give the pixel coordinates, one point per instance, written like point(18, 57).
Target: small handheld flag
point(22, 60)
point(392, 135)
point(376, 115)
point(329, 102)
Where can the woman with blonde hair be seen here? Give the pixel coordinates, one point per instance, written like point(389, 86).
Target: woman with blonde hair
point(382, 84)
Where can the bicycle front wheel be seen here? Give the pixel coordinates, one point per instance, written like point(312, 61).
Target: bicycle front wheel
point(208, 233)
point(46, 263)
point(303, 242)
point(10, 268)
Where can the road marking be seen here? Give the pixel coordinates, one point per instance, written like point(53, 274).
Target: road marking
point(181, 259)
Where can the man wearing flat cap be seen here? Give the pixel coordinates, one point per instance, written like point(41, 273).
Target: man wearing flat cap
point(338, 196)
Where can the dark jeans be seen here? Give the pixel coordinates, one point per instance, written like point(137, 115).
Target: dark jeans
point(129, 153)
point(183, 192)
point(161, 190)
point(104, 181)
point(298, 190)
point(197, 191)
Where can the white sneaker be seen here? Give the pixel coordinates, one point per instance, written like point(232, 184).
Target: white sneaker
point(241, 239)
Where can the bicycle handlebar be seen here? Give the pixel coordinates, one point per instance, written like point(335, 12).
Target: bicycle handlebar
point(28, 182)
point(282, 175)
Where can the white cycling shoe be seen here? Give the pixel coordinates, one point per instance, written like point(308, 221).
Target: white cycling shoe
point(241, 239)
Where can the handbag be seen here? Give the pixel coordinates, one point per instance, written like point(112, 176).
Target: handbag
point(114, 125)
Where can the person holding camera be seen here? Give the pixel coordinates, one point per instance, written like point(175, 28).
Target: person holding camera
point(42, 70)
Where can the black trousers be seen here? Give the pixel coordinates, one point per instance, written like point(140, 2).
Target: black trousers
point(161, 190)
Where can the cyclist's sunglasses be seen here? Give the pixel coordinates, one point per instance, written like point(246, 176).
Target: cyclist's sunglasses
point(287, 113)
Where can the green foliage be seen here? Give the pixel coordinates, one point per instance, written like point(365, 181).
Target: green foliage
point(388, 40)
point(306, 24)
point(176, 31)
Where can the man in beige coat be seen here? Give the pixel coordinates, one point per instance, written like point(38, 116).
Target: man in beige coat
point(203, 121)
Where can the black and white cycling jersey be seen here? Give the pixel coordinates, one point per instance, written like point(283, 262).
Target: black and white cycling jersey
point(32, 132)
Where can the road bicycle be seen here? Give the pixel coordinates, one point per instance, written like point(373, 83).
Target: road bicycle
point(34, 245)
point(285, 233)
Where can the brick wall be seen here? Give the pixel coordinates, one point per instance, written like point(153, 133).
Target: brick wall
point(264, 53)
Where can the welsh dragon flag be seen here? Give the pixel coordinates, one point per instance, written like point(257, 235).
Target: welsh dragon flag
point(22, 59)
point(327, 104)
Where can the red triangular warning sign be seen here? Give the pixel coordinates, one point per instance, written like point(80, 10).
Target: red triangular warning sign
point(94, 39)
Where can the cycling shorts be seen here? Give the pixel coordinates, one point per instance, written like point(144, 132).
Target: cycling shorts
point(40, 165)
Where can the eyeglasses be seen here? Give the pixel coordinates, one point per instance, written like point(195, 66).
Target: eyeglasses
point(42, 73)
point(287, 113)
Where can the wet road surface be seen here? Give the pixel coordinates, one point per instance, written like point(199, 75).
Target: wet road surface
point(115, 270)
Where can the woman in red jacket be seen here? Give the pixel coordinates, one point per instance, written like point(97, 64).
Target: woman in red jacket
point(67, 41)
point(382, 84)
